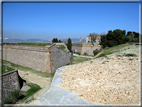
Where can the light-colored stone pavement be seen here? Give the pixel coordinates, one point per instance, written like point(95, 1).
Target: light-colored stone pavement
point(60, 96)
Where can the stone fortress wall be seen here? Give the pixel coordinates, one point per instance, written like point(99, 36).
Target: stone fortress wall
point(46, 59)
point(82, 48)
point(11, 81)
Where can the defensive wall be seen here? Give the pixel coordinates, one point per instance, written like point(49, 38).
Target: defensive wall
point(82, 48)
point(46, 59)
point(11, 81)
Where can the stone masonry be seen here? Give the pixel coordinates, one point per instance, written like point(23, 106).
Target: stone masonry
point(45, 59)
point(85, 48)
point(11, 82)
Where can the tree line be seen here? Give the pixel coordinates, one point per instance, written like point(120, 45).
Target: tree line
point(117, 37)
point(69, 43)
point(55, 40)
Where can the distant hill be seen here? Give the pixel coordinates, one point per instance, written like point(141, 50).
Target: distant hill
point(74, 40)
point(27, 40)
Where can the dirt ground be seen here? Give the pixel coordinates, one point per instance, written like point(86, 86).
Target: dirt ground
point(43, 82)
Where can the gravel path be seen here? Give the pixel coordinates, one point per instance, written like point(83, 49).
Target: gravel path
point(43, 82)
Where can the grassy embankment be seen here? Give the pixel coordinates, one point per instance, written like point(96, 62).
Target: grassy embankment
point(40, 73)
point(77, 59)
point(125, 49)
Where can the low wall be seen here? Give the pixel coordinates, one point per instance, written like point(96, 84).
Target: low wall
point(89, 49)
point(77, 48)
point(11, 81)
point(85, 48)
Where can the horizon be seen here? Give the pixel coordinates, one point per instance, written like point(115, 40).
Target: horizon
point(67, 20)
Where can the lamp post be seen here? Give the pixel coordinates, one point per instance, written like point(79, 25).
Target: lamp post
point(5, 54)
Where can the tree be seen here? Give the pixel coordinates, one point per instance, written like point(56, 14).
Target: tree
point(56, 40)
point(59, 41)
point(113, 38)
point(104, 41)
point(69, 45)
point(93, 37)
point(134, 36)
point(53, 40)
point(130, 34)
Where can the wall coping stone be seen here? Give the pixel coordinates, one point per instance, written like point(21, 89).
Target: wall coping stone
point(25, 47)
point(16, 70)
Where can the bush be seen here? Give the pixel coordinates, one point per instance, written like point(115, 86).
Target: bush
point(14, 95)
point(85, 53)
point(106, 48)
point(96, 52)
point(77, 53)
point(7, 100)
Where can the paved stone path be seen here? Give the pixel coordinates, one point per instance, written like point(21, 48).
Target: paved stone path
point(60, 96)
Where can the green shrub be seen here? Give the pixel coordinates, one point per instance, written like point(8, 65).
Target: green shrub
point(7, 100)
point(77, 53)
point(85, 53)
point(14, 95)
point(106, 48)
point(96, 52)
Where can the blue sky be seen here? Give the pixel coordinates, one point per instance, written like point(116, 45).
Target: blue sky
point(64, 20)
